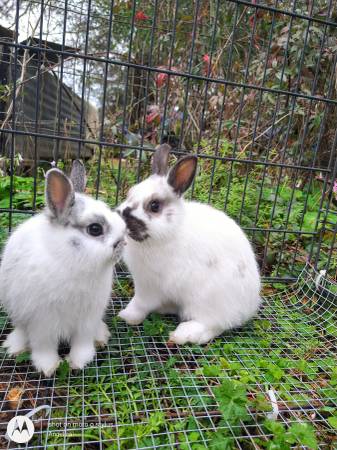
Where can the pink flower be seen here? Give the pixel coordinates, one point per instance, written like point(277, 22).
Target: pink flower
point(207, 64)
point(153, 114)
point(206, 58)
point(161, 79)
point(152, 117)
point(334, 189)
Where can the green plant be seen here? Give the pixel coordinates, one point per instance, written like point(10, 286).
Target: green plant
point(22, 198)
point(298, 433)
point(232, 400)
point(22, 192)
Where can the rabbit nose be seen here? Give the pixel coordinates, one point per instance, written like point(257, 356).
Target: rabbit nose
point(126, 212)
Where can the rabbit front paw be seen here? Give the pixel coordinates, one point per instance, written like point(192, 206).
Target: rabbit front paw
point(81, 355)
point(193, 332)
point(46, 361)
point(132, 314)
point(102, 335)
point(16, 342)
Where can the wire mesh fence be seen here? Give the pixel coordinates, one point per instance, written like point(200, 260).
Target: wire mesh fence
point(248, 86)
point(142, 392)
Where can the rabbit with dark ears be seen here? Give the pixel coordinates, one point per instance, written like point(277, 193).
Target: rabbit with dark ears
point(56, 274)
point(186, 258)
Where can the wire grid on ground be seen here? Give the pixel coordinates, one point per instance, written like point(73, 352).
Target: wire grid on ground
point(142, 392)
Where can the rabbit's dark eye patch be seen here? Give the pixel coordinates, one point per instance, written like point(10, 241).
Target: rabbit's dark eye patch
point(95, 229)
point(154, 206)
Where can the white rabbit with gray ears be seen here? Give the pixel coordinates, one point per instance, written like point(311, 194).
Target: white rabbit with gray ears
point(186, 258)
point(56, 274)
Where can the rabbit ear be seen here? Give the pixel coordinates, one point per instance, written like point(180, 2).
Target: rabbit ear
point(181, 175)
point(60, 194)
point(78, 176)
point(160, 159)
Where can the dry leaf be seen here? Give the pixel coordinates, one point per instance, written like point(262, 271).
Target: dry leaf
point(14, 397)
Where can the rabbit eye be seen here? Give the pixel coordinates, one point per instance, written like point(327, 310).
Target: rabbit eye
point(95, 229)
point(154, 206)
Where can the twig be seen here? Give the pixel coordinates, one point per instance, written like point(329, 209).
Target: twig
point(229, 38)
point(263, 133)
point(193, 120)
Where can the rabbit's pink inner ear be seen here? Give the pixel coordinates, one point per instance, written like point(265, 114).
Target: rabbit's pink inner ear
point(59, 191)
point(182, 174)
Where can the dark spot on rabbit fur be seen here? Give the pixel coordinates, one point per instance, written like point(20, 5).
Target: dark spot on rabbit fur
point(95, 218)
point(76, 243)
point(147, 206)
point(136, 227)
point(169, 214)
point(212, 263)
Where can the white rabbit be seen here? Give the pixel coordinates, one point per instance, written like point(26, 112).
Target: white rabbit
point(56, 274)
point(186, 258)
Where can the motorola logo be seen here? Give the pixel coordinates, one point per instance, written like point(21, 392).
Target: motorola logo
point(20, 429)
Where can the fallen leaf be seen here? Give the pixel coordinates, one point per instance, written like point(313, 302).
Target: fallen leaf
point(140, 15)
point(14, 397)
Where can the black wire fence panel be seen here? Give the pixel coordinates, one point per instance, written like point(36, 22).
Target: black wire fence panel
point(250, 87)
